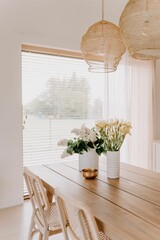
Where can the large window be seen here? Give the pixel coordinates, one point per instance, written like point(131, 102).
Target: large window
point(58, 94)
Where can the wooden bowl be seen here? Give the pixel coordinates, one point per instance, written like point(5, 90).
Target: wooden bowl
point(90, 173)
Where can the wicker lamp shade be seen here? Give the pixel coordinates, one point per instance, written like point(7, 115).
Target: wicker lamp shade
point(102, 47)
point(139, 26)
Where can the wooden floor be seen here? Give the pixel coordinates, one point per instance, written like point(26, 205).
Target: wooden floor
point(14, 223)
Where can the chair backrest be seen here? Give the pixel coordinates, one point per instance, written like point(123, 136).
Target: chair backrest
point(77, 221)
point(37, 194)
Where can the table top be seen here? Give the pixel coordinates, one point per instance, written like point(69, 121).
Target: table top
point(127, 208)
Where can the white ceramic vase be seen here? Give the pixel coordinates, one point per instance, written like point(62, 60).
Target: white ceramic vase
point(88, 159)
point(113, 164)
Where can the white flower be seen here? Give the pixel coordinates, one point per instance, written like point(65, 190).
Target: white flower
point(84, 136)
point(92, 136)
point(76, 131)
point(84, 133)
point(85, 130)
point(65, 154)
point(62, 142)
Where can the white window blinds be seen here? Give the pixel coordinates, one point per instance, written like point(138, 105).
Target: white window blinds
point(58, 94)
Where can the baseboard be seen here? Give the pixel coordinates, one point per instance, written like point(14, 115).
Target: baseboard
point(11, 203)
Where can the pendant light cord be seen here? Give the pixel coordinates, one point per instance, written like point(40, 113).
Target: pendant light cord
point(102, 10)
point(147, 6)
point(102, 20)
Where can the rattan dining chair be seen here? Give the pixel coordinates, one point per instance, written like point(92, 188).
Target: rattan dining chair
point(44, 220)
point(77, 220)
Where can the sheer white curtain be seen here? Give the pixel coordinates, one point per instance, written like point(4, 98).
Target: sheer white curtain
point(131, 97)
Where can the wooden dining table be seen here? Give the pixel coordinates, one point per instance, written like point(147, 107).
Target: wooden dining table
point(127, 208)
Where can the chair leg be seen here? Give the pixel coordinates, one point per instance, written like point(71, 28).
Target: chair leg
point(31, 227)
point(46, 235)
point(40, 236)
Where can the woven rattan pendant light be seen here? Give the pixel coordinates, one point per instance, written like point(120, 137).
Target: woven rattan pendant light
point(102, 46)
point(140, 28)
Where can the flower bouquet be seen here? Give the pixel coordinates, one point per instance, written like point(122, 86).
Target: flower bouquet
point(113, 133)
point(84, 140)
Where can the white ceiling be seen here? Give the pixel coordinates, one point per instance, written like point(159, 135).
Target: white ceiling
point(57, 19)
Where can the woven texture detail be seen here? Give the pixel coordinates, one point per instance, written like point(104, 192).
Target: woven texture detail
point(103, 236)
point(102, 47)
point(88, 231)
point(51, 216)
point(139, 25)
point(42, 193)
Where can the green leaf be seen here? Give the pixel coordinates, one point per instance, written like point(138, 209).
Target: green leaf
point(69, 151)
point(90, 144)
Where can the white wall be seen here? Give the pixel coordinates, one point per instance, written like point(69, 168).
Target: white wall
point(10, 120)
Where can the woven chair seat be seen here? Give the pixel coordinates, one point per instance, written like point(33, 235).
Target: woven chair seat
point(103, 236)
point(51, 216)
